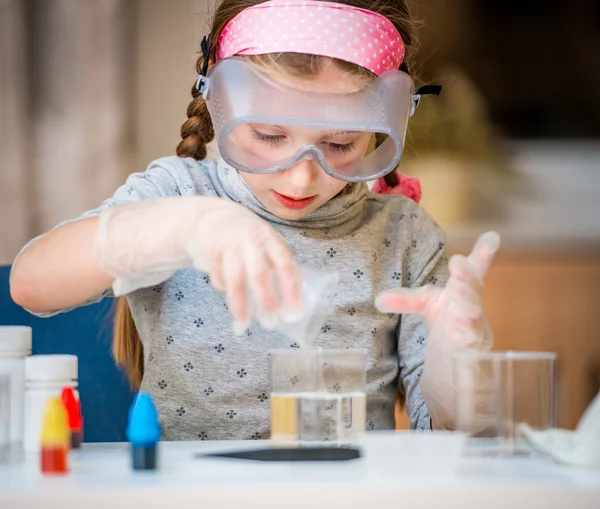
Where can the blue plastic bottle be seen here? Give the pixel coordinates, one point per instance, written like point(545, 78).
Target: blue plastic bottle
point(143, 432)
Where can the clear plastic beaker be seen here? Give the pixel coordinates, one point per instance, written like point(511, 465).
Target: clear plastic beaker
point(4, 416)
point(318, 396)
point(318, 288)
point(497, 391)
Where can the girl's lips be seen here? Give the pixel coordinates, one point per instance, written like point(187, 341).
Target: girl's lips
point(293, 203)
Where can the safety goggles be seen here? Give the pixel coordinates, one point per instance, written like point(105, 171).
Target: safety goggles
point(263, 126)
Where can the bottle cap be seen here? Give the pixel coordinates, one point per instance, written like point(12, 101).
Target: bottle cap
point(51, 368)
point(55, 430)
point(143, 427)
point(73, 409)
point(15, 341)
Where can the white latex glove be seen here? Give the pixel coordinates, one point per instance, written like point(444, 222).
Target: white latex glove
point(144, 243)
point(455, 321)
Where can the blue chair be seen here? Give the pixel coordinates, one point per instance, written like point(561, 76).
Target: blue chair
point(87, 333)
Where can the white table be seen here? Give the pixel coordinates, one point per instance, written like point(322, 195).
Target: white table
point(396, 471)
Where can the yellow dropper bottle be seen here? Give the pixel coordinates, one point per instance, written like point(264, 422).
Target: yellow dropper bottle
point(56, 438)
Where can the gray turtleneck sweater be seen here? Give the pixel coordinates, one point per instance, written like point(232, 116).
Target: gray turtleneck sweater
point(209, 384)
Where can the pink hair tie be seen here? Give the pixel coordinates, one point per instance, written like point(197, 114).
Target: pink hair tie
point(314, 27)
point(407, 186)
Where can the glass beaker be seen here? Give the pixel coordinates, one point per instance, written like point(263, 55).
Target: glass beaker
point(318, 396)
point(497, 391)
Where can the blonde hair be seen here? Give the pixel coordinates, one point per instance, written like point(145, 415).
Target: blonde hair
point(197, 131)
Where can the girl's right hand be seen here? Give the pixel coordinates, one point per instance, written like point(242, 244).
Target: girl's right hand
point(144, 243)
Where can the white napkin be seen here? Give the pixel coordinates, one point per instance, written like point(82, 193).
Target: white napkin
point(580, 447)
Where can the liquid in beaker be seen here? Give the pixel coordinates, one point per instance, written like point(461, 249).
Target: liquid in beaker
point(318, 396)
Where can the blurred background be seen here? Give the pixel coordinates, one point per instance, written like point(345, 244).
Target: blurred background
point(93, 90)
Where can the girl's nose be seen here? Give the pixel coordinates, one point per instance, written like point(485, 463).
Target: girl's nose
point(303, 174)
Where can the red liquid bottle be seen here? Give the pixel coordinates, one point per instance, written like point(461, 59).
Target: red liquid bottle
point(73, 409)
point(54, 454)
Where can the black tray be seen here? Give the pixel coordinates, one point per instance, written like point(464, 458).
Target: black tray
point(290, 454)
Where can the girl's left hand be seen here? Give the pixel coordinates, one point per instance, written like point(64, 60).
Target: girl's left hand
point(455, 320)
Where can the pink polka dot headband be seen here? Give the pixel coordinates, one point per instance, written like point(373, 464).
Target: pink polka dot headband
point(329, 29)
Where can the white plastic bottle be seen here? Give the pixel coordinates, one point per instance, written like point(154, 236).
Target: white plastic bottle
point(4, 416)
point(45, 377)
point(15, 345)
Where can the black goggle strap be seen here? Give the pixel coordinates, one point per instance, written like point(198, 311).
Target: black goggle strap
point(423, 90)
point(201, 84)
point(205, 48)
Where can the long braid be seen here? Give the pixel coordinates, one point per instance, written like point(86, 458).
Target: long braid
point(197, 131)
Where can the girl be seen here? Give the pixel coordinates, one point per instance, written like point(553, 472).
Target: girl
point(288, 87)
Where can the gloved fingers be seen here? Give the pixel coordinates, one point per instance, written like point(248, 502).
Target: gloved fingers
point(215, 271)
point(419, 301)
point(286, 274)
point(260, 285)
point(207, 259)
point(483, 252)
point(463, 337)
point(466, 312)
point(235, 287)
point(464, 290)
point(464, 272)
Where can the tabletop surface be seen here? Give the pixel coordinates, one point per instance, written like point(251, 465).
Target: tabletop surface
point(396, 469)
